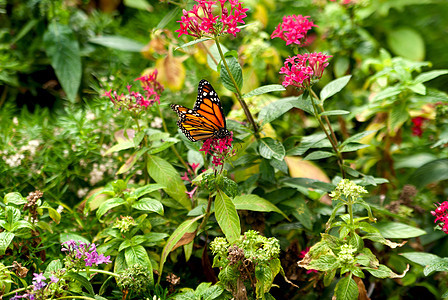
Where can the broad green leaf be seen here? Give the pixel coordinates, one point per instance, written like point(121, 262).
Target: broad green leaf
point(334, 113)
point(334, 87)
point(270, 148)
point(318, 155)
point(127, 144)
point(117, 42)
point(329, 276)
point(213, 57)
point(5, 240)
point(431, 172)
point(125, 244)
point(167, 18)
point(427, 76)
point(186, 227)
point(149, 188)
point(274, 110)
point(346, 289)
point(377, 237)
point(193, 43)
point(137, 255)
point(227, 217)
point(149, 204)
point(398, 115)
point(164, 174)
point(264, 89)
point(153, 237)
point(107, 205)
point(357, 137)
point(398, 230)
point(388, 92)
point(300, 211)
point(324, 263)
point(54, 266)
point(65, 237)
point(384, 272)
point(21, 224)
point(138, 4)
point(230, 187)
point(14, 198)
point(255, 203)
point(235, 70)
point(350, 147)
point(62, 48)
point(421, 258)
point(307, 143)
point(439, 266)
point(212, 292)
point(81, 279)
point(130, 162)
point(406, 42)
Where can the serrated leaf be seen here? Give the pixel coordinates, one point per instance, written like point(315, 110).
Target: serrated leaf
point(164, 174)
point(334, 113)
point(318, 155)
point(236, 72)
point(62, 48)
point(118, 42)
point(324, 263)
point(255, 203)
point(227, 217)
point(334, 87)
point(264, 89)
point(149, 204)
point(270, 148)
point(427, 76)
point(398, 230)
point(346, 289)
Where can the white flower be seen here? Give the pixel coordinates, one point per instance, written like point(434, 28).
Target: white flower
point(60, 209)
point(90, 116)
point(157, 123)
point(14, 160)
point(82, 192)
point(96, 175)
point(15, 121)
point(31, 147)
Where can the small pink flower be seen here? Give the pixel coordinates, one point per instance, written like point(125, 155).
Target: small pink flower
point(185, 177)
point(194, 166)
point(441, 214)
point(293, 29)
point(200, 20)
point(417, 126)
point(303, 70)
point(218, 148)
point(191, 193)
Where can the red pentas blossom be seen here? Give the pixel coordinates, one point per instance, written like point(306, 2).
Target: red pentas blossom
point(303, 70)
point(136, 101)
point(441, 214)
point(218, 148)
point(294, 29)
point(200, 20)
point(417, 126)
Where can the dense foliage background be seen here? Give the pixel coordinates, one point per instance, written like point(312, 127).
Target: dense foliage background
point(133, 184)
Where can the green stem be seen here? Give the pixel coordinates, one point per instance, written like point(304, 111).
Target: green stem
point(350, 212)
point(172, 146)
point(100, 271)
point(207, 214)
point(332, 142)
point(76, 297)
point(15, 291)
point(238, 93)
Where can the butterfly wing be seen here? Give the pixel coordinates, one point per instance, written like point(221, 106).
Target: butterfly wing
point(208, 104)
point(193, 125)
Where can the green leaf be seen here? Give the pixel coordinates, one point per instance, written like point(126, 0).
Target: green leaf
point(149, 204)
point(422, 258)
point(193, 43)
point(53, 266)
point(227, 217)
point(14, 198)
point(381, 272)
point(270, 148)
point(255, 203)
point(300, 211)
point(137, 255)
point(406, 42)
point(5, 240)
point(212, 292)
point(357, 137)
point(62, 48)
point(439, 266)
point(213, 57)
point(324, 263)
point(388, 92)
point(146, 189)
point(164, 174)
point(334, 87)
point(346, 289)
point(126, 144)
point(264, 89)
point(334, 113)
point(65, 237)
point(353, 147)
point(230, 187)
point(167, 18)
point(398, 230)
point(81, 279)
point(118, 42)
point(431, 172)
point(398, 115)
point(107, 205)
point(427, 76)
point(181, 230)
point(235, 70)
point(275, 109)
point(318, 155)
point(329, 276)
point(377, 237)
point(138, 4)
point(130, 162)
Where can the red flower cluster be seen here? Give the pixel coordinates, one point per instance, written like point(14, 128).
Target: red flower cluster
point(345, 2)
point(303, 69)
point(441, 214)
point(136, 101)
point(218, 148)
point(417, 126)
point(293, 29)
point(200, 21)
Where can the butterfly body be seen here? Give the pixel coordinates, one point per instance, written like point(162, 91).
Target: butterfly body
point(206, 120)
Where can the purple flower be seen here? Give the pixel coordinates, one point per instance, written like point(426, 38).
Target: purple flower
point(53, 279)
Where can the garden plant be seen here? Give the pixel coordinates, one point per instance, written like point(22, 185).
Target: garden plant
point(223, 149)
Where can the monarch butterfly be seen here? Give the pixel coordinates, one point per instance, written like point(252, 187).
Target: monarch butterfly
point(206, 120)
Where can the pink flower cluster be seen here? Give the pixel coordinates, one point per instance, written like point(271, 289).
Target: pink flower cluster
point(441, 214)
point(136, 101)
point(294, 29)
point(303, 69)
point(218, 148)
point(190, 172)
point(200, 20)
point(84, 252)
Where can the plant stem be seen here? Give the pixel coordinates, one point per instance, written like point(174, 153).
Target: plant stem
point(207, 214)
point(100, 271)
point(332, 142)
point(172, 146)
point(238, 93)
